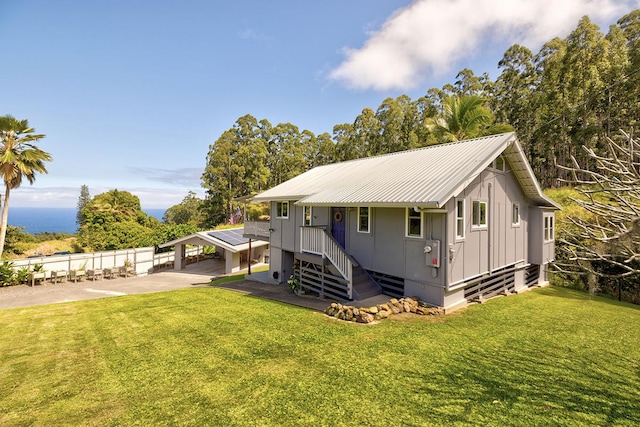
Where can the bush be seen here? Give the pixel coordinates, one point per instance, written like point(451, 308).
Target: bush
point(7, 274)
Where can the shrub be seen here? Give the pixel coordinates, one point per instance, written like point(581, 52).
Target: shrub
point(7, 274)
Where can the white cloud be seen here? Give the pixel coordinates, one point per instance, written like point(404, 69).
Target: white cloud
point(429, 37)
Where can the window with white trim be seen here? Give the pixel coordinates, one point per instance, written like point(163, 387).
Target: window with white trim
point(515, 214)
point(460, 219)
point(548, 228)
point(364, 220)
point(307, 215)
point(282, 210)
point(499, 163)
point(414, 223)
point(479, 214)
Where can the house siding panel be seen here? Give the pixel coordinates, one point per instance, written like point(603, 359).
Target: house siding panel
point(388, 231)
point(361, 245)
point(507, 246)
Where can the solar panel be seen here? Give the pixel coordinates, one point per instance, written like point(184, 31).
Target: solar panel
point(232, 236)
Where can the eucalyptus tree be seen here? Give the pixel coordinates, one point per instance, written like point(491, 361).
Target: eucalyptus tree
point(551, 111)
point(286, 153)
point(344, 134)
point(237, 165)
point(403, 124)
point(619, 108)
point(322, 152)
point(511, 102)
point(19, 159)
point(630, 26)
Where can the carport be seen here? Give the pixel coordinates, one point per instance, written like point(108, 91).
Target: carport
point(237, 251)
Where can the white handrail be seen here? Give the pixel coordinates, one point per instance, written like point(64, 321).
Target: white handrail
point(316, 241)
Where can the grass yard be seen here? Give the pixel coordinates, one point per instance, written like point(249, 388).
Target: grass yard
point(208, 356)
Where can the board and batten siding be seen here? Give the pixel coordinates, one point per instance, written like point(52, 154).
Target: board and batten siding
point(500, 243)
point(387, 250)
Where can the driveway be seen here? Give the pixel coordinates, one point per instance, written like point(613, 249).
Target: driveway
point(198, 274)
point(51, 293)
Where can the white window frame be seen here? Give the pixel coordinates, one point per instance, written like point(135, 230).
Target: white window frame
point(304, 216)
point(460, 219)
point(549, 227)
point(476, 215)
point(368, 230)
point(502, 161)
point(515, 214)
point(279, 210)
point(410, 213)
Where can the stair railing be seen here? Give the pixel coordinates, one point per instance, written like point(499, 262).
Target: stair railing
point(317, 241)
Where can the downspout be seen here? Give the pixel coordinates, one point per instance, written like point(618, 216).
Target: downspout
point(490, 229)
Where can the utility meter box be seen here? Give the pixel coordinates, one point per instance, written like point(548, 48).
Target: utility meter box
point(432, 253)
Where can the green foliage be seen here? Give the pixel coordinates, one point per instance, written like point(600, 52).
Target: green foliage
point(190, 210)
point(464, 117)
point(113, 206)
point(19, 159)
point(7, 274)
point(22, 275)
point(115, 220)
point(257, 211)
point(83, 200)
point(167, 232)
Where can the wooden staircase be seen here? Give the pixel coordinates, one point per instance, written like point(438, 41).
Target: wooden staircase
point(356, 282)
point(363, 285)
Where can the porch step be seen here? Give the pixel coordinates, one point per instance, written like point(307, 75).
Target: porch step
point(363, 285)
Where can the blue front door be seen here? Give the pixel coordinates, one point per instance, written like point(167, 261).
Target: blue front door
point(338, 221)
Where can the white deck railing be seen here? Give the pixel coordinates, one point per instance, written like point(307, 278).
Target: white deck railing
point(316, 241)
point(257, 228)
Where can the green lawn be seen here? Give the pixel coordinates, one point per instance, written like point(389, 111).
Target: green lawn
point(207, 356)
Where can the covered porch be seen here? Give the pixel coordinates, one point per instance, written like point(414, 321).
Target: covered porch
point(237, 251)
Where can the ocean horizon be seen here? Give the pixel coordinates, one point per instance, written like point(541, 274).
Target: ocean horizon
point(54, 220)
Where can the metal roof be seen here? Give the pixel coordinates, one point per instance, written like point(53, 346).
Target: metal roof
point(230, 239)
point(425, 177)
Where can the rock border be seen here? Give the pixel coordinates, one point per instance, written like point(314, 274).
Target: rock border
point(350, 313)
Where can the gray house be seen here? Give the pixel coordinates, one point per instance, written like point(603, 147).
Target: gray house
point(448, 223)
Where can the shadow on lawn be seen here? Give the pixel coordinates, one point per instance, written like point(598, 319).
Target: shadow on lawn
point(577, 294)
point(530, 386)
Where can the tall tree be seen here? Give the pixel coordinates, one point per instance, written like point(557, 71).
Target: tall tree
point(115, 220)
point(82, 202)
point(286, 153)
point(19, 159)
point(237, 165)
point(188, 211)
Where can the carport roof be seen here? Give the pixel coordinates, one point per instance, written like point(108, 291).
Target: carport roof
point(230, 239)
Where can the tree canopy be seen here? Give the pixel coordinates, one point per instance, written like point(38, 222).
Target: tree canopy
point(19, 159)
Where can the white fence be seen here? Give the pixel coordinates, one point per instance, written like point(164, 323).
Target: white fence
point(143, 260)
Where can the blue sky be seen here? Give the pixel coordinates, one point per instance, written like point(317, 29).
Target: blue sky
point(131, 93)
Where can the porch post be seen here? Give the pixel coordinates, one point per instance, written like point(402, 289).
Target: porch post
point(249, 258)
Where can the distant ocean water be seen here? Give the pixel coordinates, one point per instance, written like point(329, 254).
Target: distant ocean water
point(54, 220)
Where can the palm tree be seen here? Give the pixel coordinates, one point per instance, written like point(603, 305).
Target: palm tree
point(464, 118)
point(19, 159)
